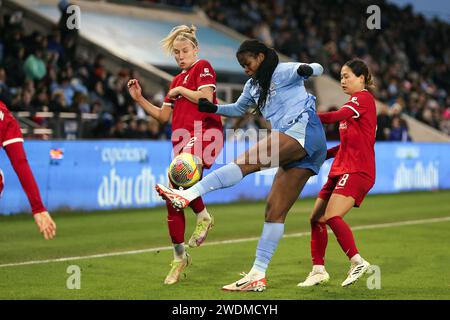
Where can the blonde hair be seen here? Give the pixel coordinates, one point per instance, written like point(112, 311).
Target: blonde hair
point(182, 32)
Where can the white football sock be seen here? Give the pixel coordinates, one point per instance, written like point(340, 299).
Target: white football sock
point(203, 214)
point(317, 268)
point(254, 273)
point(356, 259)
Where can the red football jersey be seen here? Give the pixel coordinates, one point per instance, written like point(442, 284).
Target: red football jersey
point(185, 113)
point(9, 128)
point(357, 134)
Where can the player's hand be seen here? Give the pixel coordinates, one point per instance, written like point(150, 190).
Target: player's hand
point(205, 106)
point(305, 70)
point(135, 89)
point(174, 92)
point(45, 224)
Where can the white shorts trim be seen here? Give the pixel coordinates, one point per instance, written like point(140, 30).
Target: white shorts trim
point(5, 143)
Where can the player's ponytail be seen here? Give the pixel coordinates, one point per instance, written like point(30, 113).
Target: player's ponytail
point(359, 68)
point(264, 74)
point(182, 32)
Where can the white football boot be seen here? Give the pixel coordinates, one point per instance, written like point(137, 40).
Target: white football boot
point(356, 271)
point(175, 197)
point(247, 283)
point(201, 231)
point(315, 278)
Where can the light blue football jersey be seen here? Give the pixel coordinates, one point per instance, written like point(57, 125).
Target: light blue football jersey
point(287, 98)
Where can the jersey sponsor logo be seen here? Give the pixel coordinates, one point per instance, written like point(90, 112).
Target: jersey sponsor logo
point(205, 73)
point(2, 115)
point(355, 100)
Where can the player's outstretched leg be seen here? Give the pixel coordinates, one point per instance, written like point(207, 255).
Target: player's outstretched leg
point(205, 221)
point(226, 176)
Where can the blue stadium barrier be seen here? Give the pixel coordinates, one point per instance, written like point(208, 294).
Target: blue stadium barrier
point(92, 175)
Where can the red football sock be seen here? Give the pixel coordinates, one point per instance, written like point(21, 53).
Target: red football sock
point(344, 235)
point(197, 205)
point(319, 241)
point(176, 223)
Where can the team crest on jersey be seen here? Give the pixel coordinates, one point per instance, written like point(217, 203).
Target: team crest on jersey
point(185, 79)
point(205, 73)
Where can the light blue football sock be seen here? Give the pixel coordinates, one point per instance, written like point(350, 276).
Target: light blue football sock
point(271, 235)
point(224, 177)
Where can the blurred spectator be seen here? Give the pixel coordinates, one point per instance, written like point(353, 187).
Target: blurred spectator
point(5, 94)
point(34, 66)
point(383, 124)
point(399, 130)
point(119, 131)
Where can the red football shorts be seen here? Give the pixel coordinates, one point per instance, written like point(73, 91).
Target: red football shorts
point(355, 185)
point(205, 150)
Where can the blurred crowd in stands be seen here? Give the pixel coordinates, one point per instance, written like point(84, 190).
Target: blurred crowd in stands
point(409, 58)
point(46, 73)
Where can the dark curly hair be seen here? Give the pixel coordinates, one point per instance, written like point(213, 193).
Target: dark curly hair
point(264, 73)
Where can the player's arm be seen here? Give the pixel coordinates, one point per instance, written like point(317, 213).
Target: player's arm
point(236, 109)
point(193, 96)
point(331, 153)
point(161, 114)
point(307, 70)
point(18, 159)
point(336, 116)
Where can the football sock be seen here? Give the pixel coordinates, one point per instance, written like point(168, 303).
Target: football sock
point(203, 214)
point(271, 235)
point(179, 252)
point(319, 268)
point(319, 241)
point(344, 235)
point(176, 223)
point(224, 177)
point(197, 205)
point(356, 259)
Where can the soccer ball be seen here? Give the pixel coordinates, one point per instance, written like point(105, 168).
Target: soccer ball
point(184, 170)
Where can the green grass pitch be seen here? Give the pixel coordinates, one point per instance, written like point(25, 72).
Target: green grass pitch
point(413, 258)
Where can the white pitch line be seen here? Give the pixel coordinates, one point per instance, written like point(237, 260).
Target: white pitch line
point(292, 235)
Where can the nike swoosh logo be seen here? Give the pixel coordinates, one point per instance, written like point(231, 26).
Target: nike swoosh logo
point(241, 284)
point(190, 175)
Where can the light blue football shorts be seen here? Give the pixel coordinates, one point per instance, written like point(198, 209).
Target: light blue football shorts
point(308, 131)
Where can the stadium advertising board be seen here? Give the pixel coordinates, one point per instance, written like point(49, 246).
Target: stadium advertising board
point(91, 175)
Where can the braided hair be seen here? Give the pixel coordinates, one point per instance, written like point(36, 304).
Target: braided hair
point(264, 73)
